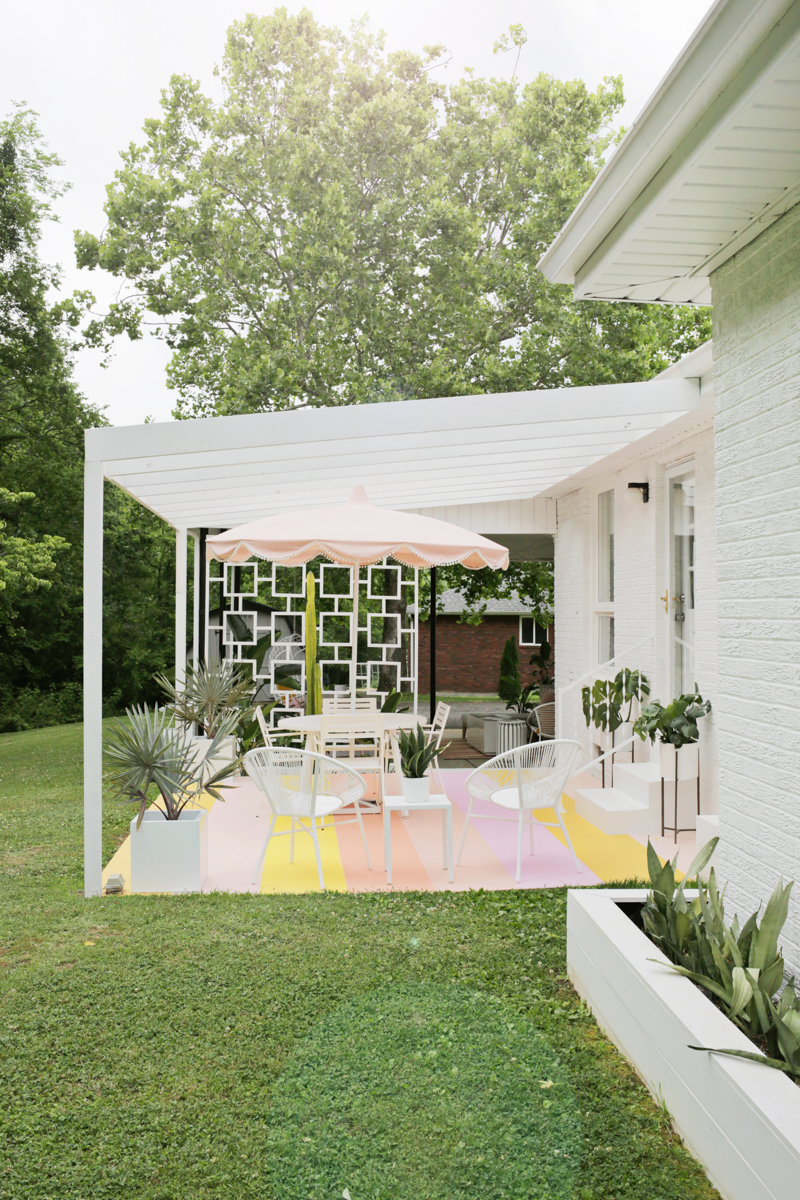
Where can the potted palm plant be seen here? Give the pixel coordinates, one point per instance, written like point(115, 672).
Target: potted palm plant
point(416, 755)
point(154, 764)
point(209, 696)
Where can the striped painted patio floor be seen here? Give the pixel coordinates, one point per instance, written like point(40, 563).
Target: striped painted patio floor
point(236, 835)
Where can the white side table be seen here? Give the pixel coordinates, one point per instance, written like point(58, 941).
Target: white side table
point(436, 801)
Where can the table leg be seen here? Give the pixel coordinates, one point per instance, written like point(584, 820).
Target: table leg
point(387, 843)
point(444, 839)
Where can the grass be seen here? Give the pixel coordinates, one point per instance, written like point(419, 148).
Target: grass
point(169, 1048)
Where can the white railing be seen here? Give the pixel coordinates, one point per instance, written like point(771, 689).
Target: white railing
point(601, 671)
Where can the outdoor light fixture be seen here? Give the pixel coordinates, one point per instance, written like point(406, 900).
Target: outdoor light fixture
point(638, 493)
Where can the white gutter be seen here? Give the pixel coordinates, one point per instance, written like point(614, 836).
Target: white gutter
point(720, 49)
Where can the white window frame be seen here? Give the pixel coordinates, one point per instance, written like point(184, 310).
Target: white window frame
point(683, 466)
point(527, 617)
point(601, 608)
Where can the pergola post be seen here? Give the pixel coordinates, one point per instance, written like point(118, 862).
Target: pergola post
point(196, 602)
point(180, 606)
point(93, 679)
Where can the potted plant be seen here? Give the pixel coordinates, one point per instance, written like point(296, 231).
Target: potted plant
point(416, 756)
point(675, 726)
point(169, 841)
point(609, 704)
point(210, 695)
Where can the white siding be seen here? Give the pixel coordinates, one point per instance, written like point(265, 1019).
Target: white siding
point(757, 422)
point(641, 570)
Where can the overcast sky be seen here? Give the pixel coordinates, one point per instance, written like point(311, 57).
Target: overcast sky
point(94, 70)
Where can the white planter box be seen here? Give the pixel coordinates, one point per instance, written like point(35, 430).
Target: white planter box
point(741, 1120)
point(226, 752)
point(417, 790)
point(170, 856)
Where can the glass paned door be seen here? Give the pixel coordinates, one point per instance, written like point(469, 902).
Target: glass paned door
point(682, 590)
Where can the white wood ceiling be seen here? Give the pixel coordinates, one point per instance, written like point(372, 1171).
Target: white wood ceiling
point(460, 450)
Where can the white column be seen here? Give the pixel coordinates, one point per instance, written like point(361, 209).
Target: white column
point(196, 602)
point(93, 679)
point(180, 606)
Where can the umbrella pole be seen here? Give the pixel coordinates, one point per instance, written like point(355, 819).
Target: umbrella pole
point(433, 643)
point(354, 640)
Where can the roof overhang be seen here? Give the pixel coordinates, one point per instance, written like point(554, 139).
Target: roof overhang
point(222, 471)
point(712, 160)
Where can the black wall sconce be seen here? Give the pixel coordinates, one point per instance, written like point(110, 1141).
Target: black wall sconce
point(632, 497)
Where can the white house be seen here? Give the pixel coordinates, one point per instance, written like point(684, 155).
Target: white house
point(699, 204)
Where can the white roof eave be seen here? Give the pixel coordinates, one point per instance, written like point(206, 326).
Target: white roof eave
point(723, 62)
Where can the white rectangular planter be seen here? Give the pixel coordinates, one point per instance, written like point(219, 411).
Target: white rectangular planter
point(226, 752)
point(741, 1120)
point(170, 856)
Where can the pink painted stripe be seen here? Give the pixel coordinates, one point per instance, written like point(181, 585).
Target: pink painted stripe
point(483, 870)
point(408, 869)
point(551, 865)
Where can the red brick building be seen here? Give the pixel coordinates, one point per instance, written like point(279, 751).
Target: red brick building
point(468, 656)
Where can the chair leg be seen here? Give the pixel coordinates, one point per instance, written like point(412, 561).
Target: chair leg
point(316, 851)
point(263, 853)
point(291, 839)
point(530, 829)
point(363, 834)
point(261, 801)
point(464, 834)
point(520, 831)
point(563, 828)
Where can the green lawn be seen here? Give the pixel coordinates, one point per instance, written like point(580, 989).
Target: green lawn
point(397, 1046)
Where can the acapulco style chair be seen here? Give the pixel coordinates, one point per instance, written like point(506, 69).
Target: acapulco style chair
point(522, 781)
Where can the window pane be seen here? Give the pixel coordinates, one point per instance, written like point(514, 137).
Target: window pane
point(605, 640)
point(605, 547)
point(526, 631)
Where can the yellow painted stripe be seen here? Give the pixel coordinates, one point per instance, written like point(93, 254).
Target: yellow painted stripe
point(611, 857)
point(279, 875)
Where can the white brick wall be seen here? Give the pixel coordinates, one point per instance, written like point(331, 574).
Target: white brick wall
point(757, 423)
point(641, 570)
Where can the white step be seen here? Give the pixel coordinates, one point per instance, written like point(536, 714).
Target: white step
point(642, 782)
point(612, 811)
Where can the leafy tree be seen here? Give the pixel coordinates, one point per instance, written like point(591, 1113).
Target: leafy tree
point(42, 423)
point(24, 564)
point(342, 227)
point(529, 582)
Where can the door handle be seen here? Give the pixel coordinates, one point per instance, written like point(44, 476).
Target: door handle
point(665, 599)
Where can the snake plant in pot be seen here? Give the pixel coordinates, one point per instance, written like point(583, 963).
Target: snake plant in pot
point(417, 753)
point(153, 763)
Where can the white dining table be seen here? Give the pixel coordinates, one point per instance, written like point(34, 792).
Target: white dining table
point(403, 720)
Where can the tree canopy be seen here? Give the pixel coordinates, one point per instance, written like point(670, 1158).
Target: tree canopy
point(344, 227)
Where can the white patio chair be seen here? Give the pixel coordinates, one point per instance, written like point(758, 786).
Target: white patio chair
point(357, 739)
point(304, 787)
point(522, 781)
point(265, 729)
point(341, 704)
point(545, 721)
point(435, 731)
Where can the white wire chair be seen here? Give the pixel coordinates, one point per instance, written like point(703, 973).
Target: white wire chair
point(304, 787)
point(523, 780)
point(264, 727)
point(545, 721)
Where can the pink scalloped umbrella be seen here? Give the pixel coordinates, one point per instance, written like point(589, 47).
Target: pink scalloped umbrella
point(356, 534)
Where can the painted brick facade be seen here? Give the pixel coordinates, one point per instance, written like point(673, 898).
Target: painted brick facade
point(468, 656)
point(641, 575)
point(757, 423)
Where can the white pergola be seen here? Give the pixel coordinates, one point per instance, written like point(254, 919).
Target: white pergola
point(481, 451)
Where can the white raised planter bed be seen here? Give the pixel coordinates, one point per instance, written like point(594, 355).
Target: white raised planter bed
point(741, 1120)
point(170, 856)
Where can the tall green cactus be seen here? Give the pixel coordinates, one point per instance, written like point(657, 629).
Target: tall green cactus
point(313, 672)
